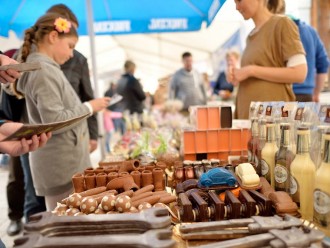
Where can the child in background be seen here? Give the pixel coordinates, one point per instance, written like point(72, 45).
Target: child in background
point(109, 126)
point(51, 98)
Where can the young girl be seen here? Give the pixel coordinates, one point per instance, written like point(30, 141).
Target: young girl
point(51, 98)
point(273, 59)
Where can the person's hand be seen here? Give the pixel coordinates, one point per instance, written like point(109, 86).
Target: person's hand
point(10, 75)
point(316, 97)
point(240, 74)
point(230, 74)
point(92, 145)
point(99, 103)
point(16, 148)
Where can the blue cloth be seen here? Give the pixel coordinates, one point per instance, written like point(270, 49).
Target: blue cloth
point(222, 84)
point(316, 56)
point(32, 203)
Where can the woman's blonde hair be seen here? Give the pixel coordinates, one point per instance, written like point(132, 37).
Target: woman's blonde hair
point(43, 26)
point(233, 51)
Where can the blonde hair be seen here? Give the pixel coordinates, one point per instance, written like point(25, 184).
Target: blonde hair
point(233, 51)
point(43, 26)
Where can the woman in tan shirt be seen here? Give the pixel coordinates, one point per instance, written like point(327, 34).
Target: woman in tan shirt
point(273, 59)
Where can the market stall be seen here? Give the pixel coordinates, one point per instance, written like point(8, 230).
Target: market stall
point(209, 184)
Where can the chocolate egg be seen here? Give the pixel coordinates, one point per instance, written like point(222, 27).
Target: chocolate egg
point(72, 211)
point(123, 203)
point(144, 205)
point(88, 205)
point(74, 200)
point(108, 202)
point(60, 209)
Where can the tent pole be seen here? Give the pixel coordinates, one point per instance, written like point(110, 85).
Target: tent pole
point(91, 34)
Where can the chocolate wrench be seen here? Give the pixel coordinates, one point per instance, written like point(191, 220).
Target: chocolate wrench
point(236, 228)
point(52, 225)
point(151, 239)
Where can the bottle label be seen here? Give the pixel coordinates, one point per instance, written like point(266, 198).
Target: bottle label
point(322, 209)
point(321, 202)
point(281, 173)
point(264, 167)
point(293, 185)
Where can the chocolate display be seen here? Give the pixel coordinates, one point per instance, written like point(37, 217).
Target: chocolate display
point(146, 229)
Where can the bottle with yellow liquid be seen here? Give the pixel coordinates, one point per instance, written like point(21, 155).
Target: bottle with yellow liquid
point(322, 190)
point(268, 154)
point(303, 175)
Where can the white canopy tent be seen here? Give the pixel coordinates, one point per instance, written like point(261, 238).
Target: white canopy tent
point(156, 55)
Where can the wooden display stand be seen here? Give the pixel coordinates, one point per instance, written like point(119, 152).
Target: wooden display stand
point(213, 136)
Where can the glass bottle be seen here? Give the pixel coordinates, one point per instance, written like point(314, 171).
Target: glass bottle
point(303, 175)
point(261, 143)
point(321, 132)
point(322, 190)
point(283, 159)
point(268, 155)
point(253, 145)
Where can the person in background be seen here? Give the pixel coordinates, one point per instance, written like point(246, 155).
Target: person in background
point(51, 98)
point(118, 122)
point(317, 62)
point(21, 196)
point(149, 101)
point(187, 85)
point(131, 90)
point(16, 148)
point(108, 119)
point(273, 59)
point(77, 72)
point(221, 87)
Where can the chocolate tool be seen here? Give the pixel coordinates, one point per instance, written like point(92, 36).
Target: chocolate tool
point(22, 67)
point(49, 224)
point(150, 239)
point(235, 228)
point(294, 237)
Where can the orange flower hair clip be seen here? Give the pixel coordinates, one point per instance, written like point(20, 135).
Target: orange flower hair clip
point(62, 25)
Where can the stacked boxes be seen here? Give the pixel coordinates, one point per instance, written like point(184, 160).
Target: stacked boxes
point(213, 136)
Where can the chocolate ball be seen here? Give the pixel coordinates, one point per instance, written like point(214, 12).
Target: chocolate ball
point(108, 202)
point(133, 210)
point(74, 200)
point(72, 211)
point(88, 205)
point(123, 203)
point(144, 205)
point(60, 209)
